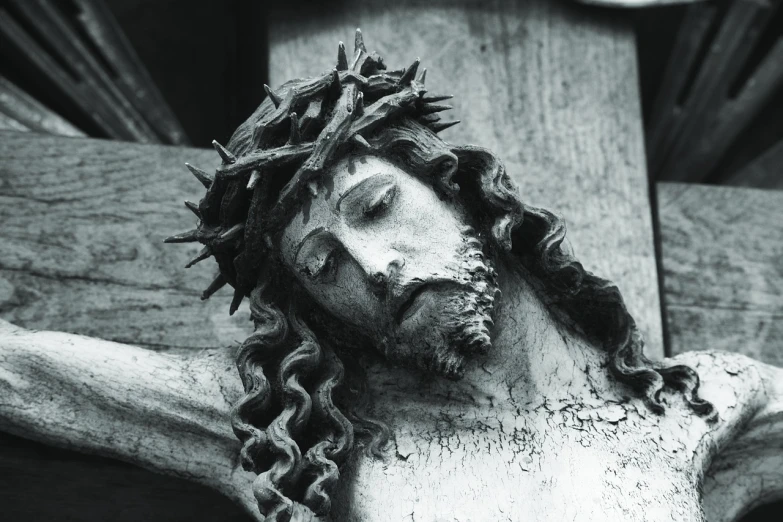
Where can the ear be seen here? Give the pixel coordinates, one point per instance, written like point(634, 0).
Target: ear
point(444, 169)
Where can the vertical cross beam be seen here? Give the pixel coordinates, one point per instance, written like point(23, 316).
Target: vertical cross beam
point(552, 87)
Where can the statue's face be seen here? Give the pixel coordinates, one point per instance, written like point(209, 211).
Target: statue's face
point(381, 251)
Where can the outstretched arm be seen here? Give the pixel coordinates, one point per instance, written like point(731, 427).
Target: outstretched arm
point(747, 466)
point(749, 472)
point(168, 414)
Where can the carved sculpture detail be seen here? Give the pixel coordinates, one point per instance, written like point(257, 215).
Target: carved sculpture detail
point(426, 346)
point(280, 217)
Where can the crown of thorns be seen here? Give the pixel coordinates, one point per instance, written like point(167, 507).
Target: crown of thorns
point(343, 106)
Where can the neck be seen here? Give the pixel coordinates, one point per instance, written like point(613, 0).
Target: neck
point(534, 359)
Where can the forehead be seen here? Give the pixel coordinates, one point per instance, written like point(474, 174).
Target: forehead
point(339, 179)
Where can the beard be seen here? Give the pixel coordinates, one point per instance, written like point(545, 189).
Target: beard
point(453, 321)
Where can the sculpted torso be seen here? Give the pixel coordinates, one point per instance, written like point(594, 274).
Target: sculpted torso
point(536, 429)
point(559, 460)
point(574, 449)
point(527, 465)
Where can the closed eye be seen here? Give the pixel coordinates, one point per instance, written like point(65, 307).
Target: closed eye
point(380, 203)
point(316, 257)
point(321, 267)
point(368, 199)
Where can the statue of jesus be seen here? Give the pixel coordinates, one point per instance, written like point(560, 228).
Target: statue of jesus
point(426, 346)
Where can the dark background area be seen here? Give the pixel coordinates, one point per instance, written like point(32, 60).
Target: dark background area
point(209, 59)
point(656, 31)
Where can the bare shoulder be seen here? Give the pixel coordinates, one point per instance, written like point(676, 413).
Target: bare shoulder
point(747, 451)
point(733, 382)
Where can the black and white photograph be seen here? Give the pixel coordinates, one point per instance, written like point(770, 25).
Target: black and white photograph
point(391, 261)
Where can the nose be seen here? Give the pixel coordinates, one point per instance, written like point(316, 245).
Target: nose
point(376, 256)
point(380, 266)
point(382, 271)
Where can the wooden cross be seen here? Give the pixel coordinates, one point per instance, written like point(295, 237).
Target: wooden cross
point(549, 86)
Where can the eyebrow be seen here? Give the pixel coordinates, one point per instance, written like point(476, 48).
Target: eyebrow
point(313, 232)
point(367, 184)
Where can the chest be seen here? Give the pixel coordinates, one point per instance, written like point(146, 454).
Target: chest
point(530, 470)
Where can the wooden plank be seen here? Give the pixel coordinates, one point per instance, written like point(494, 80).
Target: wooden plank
point(53, 27)
point(59, 77)
point(666, 114)
point(723, 275)
point(739, 31)
point(736, 115)
point(132, 76)
point(23, 108)
point(550, 86)
point(8, 123)
point(81, 249)
point(80, 50)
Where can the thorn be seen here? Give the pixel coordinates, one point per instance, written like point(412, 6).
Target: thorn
point(295, 137)
point(204, 254)
point(429, 118)
point(236, 301)
point(232, 232)
point(433, 99)
point(359, 110)
point(342, 60)
point(185, 237)
point(418, 88)
point(358, 41)
point(430, 108)
point(202, 176)
point(193, 208)
point(359, 139)
point(225, 155)
point(218, 283)
point(437, 127)
point(410, 73)
point(336, 87)
point(254, 177)
point(422, 76)
point(273, 96)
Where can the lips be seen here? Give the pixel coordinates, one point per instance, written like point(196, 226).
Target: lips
point(410, 302)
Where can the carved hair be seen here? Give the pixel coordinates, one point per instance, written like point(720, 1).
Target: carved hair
point(303, 402)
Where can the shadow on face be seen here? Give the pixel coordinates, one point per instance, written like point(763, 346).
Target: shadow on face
point(381, 251)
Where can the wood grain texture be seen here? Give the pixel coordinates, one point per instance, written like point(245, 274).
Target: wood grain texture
point(550, 86)
point(82, 228)
point(82, 243)
point(723, 271)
